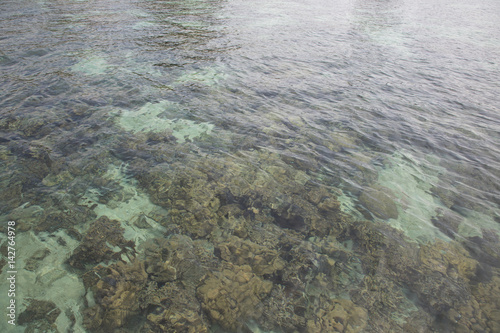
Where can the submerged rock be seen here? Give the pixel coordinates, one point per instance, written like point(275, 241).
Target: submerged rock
point(27, 214)
point(379, 201)
point(66, 216)
point(64, 178)
point(447, 222)
point(35, 260)
point(39, 316)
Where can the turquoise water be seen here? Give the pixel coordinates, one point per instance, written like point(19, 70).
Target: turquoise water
point(264, 166)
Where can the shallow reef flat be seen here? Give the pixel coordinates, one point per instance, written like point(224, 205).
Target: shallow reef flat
point(248, 167)
point(175, 240)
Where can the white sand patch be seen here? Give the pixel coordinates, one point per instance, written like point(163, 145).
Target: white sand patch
point(207, 77)
point(142, 68)
point(92, 65)
point(143, 25)
point(49, 281)
point(411, 182)
point(152, 117)
point(133, 205)
point(474, 222)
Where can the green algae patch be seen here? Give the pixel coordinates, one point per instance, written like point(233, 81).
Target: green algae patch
point(152, 118)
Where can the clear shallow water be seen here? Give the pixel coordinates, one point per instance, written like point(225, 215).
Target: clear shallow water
point(274, 166)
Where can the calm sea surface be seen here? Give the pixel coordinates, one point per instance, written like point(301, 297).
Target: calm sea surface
point(250, 166)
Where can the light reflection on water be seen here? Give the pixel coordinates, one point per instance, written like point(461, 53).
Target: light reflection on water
point(281, 166)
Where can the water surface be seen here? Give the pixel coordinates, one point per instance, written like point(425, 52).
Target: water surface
point(227, 166)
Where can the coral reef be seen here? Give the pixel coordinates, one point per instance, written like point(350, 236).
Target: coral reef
point(244, 252)
point(99, 243)
point(33, 162)
point(39, 316)
point(177, 258)
point(338, 315)
point(459, 188)
point(246, 237)
point(233, 295)
point(116, 295)
point(159, 285)
point(285, 310)
point(172, 308)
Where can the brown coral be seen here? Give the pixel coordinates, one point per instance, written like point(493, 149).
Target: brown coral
point(233, 295)
point(172, 308)
point(96, 245)
point(241, 252)
point(338, 315)
point(116, 295)
point(177, 258)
